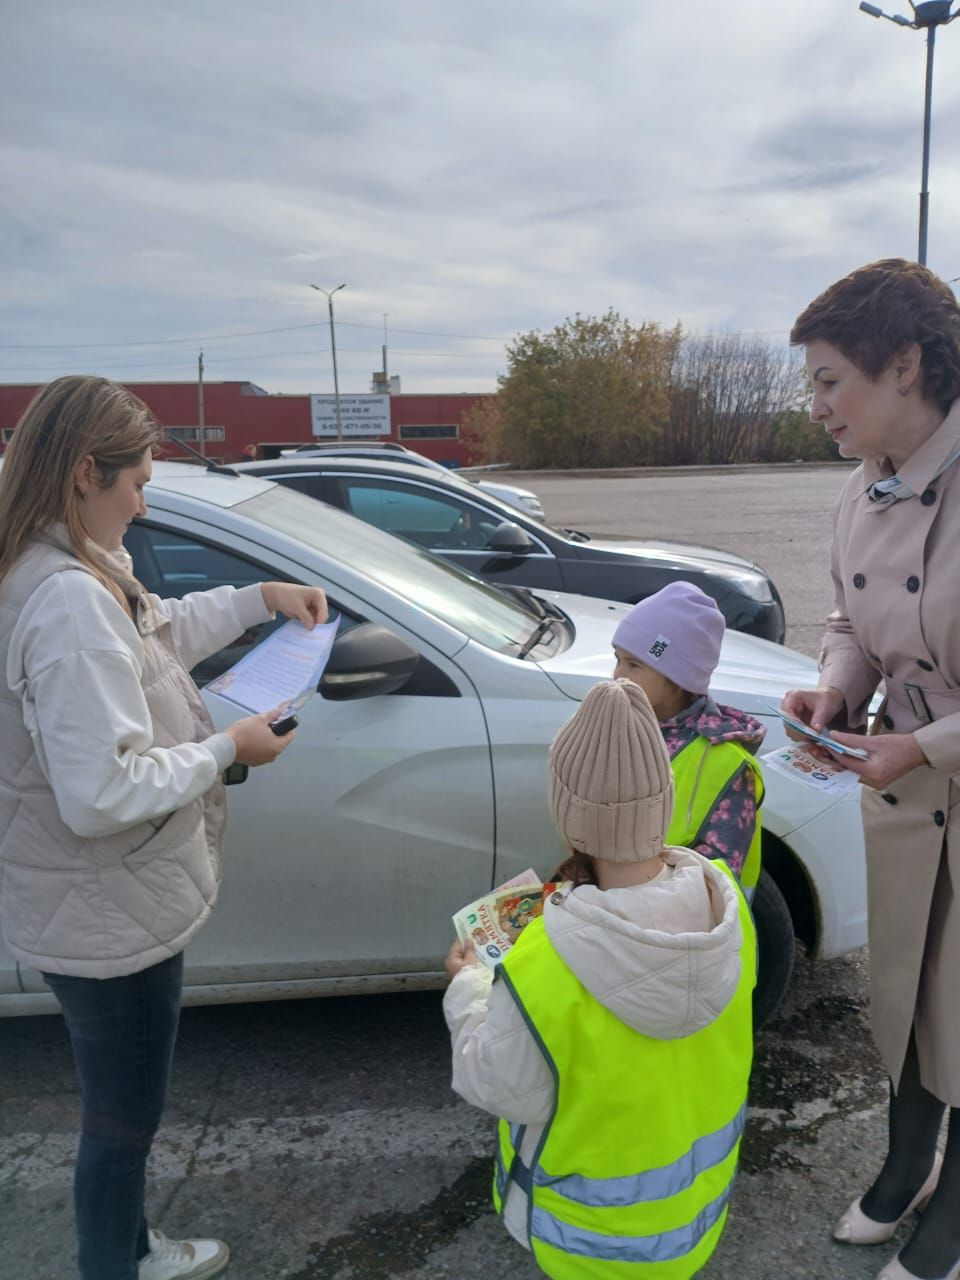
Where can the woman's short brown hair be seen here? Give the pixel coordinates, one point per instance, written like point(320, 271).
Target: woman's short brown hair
point(875, 312)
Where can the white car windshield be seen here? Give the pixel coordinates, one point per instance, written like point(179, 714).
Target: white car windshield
point(481, 611)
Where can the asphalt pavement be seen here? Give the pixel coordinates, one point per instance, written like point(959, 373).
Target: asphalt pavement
point(321, 1137)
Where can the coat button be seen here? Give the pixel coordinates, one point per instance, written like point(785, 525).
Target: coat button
point(556, 899)
point(940, 818)
point(928, 497)
point(889, 797)
point(924, 665)
point(859, 581)
point(888, 722)
point(913, 584)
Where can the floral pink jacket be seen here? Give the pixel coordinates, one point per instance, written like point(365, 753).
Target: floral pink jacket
point(731, 826)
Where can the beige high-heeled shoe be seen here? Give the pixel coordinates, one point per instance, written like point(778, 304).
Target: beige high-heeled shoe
point(855, 1227)
point(895, 1270)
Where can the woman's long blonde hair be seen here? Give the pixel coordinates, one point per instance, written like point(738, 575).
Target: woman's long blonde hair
point(64, 422)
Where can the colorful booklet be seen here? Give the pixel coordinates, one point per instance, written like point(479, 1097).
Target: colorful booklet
point(282, 671)
point(494, 922)
point(826, 775)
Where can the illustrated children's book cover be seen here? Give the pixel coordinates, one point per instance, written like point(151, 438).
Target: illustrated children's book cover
point(494, 922)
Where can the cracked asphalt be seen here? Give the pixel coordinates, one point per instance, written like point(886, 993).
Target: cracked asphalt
point(321, 1137)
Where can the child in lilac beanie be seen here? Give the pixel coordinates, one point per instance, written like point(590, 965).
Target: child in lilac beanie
point(669, 644)
point(677, 632)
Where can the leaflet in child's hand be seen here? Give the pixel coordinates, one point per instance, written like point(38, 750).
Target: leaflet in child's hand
point(494, 922)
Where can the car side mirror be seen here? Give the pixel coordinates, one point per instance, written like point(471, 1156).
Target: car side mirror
point(366, 661)
point(508, 539)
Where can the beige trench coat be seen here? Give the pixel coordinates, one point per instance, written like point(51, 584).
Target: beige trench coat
point(896, 572)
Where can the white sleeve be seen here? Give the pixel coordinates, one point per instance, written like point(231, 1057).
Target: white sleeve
point(496, 1062)
point(73, 664)
point(205, 621)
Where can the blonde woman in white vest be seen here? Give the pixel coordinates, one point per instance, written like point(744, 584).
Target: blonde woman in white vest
point(111, 795)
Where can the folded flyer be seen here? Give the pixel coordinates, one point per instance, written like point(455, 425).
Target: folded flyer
point(283, 671)
point(494, 922)
point(823, 739)
point(795, 762)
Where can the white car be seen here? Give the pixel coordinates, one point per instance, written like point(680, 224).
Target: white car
point(521, 499)
point(417, 779)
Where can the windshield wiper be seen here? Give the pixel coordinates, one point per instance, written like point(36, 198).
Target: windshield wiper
point(536, 635)
point(541, 608)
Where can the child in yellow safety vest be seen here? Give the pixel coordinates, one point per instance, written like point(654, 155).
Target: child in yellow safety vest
point(614, 1039)
point(669, 644)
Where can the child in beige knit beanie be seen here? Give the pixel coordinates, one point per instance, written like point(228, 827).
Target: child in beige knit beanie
point(592, 1043)
point(611, 787)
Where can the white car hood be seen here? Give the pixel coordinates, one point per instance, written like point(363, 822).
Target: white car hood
point(752, 673)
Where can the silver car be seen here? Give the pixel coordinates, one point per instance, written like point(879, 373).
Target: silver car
point(417, 779)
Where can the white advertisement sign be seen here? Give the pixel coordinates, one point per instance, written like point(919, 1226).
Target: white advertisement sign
point(359, 415)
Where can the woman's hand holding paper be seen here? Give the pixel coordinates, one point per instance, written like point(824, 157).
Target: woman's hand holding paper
point(306, 604)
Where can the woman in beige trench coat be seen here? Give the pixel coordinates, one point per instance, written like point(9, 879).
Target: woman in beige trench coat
point(883, 355)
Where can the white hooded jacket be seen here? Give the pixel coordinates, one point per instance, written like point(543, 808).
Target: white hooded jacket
point(664, 957)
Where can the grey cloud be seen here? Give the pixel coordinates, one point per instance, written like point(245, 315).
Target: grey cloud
point(473, 169)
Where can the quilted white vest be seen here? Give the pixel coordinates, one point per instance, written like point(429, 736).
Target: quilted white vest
point(114, 904)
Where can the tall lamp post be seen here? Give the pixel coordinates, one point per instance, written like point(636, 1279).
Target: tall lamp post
point(333, 349)
point(930, 15)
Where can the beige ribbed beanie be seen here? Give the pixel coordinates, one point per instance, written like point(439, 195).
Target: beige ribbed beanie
point(611, 787)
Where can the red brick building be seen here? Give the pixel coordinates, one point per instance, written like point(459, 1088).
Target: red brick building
point(240, 419)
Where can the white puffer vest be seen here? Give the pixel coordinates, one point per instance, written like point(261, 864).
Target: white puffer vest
point(114, 904)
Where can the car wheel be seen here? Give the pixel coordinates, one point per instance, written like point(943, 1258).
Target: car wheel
point(776, 947)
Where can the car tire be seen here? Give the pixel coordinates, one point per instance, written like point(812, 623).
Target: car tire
point(776, 948)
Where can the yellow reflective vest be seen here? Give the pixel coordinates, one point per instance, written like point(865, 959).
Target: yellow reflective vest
point(633, 1171)
point(702, 771)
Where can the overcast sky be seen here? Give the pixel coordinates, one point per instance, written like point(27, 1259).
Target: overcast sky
point(175, 176)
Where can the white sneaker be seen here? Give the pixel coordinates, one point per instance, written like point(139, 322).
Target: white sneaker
point(182, 1259)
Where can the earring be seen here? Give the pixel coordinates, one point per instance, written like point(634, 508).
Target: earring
point(903, 391)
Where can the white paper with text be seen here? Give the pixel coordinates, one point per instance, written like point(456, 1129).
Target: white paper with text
point(282, 671)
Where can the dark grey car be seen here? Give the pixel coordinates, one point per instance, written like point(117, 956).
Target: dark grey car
point(452, 519)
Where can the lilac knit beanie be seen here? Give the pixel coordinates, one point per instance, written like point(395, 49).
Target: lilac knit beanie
point(676, 632)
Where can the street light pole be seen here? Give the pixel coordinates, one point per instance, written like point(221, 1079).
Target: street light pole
point(925, 170)
point(930, 14)
point(333, 349)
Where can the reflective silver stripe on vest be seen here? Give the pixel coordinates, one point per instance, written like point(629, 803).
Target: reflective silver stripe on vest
point(654, 1184)
point(500, 1172)
point(660, 1248)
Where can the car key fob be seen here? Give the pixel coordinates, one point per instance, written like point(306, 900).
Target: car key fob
point(283, 725)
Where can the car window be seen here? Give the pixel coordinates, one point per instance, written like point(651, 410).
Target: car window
point(476, 608)
point(174, 564)
point(308, 482)
point(424, 516)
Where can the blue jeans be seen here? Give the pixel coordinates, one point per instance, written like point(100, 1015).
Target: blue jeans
point(123, 1031)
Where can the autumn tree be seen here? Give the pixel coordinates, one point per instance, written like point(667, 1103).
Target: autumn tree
point(792, 437)
point(591, 392)
point(602, 392)
point(725, 392)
